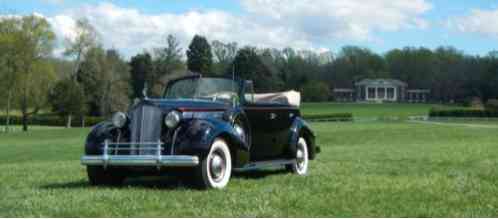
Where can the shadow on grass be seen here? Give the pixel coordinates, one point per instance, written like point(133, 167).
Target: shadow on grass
point(161, 182)
point(258, 174)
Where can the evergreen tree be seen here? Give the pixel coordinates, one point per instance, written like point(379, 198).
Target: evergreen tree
point(141, 71)
point(200, 58)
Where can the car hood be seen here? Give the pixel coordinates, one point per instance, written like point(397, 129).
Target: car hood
point(188, 105)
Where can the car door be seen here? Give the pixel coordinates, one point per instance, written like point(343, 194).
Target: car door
point(270, 129)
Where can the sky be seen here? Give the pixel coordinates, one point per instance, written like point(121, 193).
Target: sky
point(318, 25)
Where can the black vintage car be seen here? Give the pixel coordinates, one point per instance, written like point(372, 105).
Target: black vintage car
point(206, 127)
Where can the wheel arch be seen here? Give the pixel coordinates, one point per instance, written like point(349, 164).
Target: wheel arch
point(200, 134)
point(301, 128)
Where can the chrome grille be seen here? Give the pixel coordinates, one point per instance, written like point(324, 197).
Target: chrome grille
point(145, 126)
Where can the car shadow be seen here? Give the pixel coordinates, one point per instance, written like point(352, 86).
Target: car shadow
point(161, 182)
point(257, 174)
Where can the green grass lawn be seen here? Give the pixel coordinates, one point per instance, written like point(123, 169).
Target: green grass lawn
point(389, 169)
point(363, 110)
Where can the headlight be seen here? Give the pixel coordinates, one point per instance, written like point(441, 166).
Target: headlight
point(119, 119)
point(172, 119)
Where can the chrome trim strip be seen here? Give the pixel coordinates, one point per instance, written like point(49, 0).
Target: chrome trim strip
point(263, 164)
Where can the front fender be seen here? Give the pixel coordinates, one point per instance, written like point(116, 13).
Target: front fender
point(301, 128)
point(97, 135)
point(196, 136)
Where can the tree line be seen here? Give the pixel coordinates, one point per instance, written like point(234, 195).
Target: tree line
point(90, 80)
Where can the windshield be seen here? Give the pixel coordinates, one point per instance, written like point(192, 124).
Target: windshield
point(208, 89)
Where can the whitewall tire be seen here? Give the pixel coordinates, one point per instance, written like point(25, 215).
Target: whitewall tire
point(215, 169)
point(300, 167)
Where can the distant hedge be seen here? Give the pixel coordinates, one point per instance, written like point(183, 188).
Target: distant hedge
point(343, 117)
point(475, 113)
point(51, 120)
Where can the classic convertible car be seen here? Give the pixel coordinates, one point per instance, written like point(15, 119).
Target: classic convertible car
point(206, 127)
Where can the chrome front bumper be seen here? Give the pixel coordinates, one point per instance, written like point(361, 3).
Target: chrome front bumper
point(154, 159)
point(141, 160)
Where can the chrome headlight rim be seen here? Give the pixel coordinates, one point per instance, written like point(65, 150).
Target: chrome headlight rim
point(119, 119)
point(172, 119)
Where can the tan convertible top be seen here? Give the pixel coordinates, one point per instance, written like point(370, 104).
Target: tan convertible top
point(291, 97)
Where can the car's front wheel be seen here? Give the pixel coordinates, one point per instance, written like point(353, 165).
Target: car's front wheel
point(215, 169)
point(300, 167)
point(98, 176)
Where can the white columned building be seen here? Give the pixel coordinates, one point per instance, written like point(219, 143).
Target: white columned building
point(380, 90)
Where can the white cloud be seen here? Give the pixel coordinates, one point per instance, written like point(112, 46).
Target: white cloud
point(304, 24)
point(356, 19)
point(484, 22)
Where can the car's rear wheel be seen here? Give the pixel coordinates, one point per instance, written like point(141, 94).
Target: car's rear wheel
point(215, 169)
point(300, 167)
point(99, 176)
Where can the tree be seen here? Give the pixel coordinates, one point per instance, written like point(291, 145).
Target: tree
point(8, 67)
point(224, 53)
point(67, 99)
point(166, 61)
point(415, 66)
point(31, 42)
point(115, 93)
point(104, 76)
point(248, 65)
point(315, 91)
point(355, 63)
point(140, 72)
point(86, 38)
point(199, 56)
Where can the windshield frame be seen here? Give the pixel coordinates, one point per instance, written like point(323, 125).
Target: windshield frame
point(237, 83)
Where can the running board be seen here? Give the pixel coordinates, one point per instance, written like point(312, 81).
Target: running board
point(263, 164)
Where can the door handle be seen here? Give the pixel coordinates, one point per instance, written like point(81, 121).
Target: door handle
point(273, 115)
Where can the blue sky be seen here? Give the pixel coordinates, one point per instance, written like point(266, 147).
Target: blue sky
point(471, 26)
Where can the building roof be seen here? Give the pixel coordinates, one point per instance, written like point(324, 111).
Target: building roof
point(343, 90)
point(381, 81)
point(418, 91)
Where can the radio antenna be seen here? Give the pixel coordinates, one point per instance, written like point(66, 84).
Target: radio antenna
point(233, 71)
point(233, 79)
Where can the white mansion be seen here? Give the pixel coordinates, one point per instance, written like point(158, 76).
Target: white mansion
point(381, 90)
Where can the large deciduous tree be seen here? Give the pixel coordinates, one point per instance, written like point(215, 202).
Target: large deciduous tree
point(166, 61)
point(67, 99)
point(31, 43)
point(8, 67)
point(199, 56)
point(224, 53)
point(85, 39)
point(104, 76)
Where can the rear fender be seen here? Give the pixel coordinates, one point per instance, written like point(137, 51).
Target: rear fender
point(301, 128)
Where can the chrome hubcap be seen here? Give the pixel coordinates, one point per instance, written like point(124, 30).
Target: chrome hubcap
point(217, 166)
point(300, 157)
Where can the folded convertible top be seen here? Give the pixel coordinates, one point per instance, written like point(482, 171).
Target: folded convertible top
point(291, 97)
